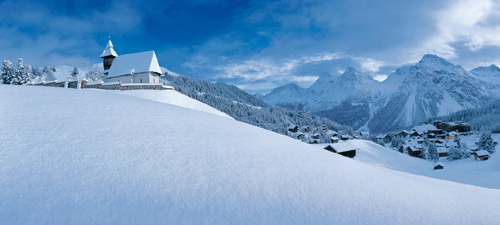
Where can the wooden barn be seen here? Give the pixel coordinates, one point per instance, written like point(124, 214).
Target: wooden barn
point(346, 149)
point(439, 166)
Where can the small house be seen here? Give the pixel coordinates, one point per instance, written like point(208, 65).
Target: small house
point(334, 140)
point(313, 141)
point(481, 155)
point(413, 148)
point(451, 135)
point(442, 151)
point(293, 128)
point(402, 134)
point(387, 138)
point(439, 166)
point(305, 129)
point(346, 149)
point(299, 135)
point(364, 134)
point(345, 137)
point(380, 138)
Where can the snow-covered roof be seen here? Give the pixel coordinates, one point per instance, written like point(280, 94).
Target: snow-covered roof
point(134, 63)
point(424, 128)
point(442, 149)
point(482, 152)
point(109, 51)
point(344, 146)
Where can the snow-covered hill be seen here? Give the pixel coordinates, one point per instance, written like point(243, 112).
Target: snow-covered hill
point(174, 98)
point(433, 87)
point(93, 157)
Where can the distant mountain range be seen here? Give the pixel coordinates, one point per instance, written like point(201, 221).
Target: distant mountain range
point(412, 94)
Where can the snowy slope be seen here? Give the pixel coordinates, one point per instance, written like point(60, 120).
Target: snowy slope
point(88, 157)
point(174, 98)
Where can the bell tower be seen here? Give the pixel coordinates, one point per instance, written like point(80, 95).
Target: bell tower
point(108, 55)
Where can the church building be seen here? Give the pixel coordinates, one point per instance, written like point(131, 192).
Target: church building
point(139, 67)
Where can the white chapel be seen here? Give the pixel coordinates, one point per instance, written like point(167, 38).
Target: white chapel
point(139, 67)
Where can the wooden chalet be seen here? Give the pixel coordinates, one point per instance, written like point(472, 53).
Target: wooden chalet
point(345, 137)
point(387, 138)
point(293, 129)
point(414, 150)
point(481, 155)
point(334, 139)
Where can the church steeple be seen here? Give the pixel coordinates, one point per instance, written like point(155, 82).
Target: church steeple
point(108, 55)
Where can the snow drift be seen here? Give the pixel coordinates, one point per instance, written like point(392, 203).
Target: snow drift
point(94, 157)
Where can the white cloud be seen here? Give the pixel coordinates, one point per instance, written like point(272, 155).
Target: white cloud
point(369, 64)
point(467, 21)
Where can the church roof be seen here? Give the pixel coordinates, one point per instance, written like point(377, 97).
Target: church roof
point(109, 51)
point(134, 63)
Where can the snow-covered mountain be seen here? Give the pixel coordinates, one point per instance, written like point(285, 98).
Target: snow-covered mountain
point(328, 91)
point(489, 74)
point(96, 157)
point(433, 87)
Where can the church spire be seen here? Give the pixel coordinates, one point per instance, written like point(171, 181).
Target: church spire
point(108, 54)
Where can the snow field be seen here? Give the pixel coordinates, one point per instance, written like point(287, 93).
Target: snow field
point(93, 157)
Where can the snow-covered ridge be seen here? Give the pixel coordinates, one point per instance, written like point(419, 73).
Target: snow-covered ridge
point(174, 98)
point(432, 87)
point(102, 158)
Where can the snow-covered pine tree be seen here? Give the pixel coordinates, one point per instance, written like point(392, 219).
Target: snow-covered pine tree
point(19, 72)
point(432, 153)
point(28, 73)
point(36, 72)
point(397, 143)
point(7, 72)
point(464, 149)
point(454, 153)
point(48, 73)
point(486, 142)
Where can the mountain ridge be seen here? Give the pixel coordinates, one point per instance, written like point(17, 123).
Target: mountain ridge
point(431, 87)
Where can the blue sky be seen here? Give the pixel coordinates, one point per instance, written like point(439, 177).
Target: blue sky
point(256, 45)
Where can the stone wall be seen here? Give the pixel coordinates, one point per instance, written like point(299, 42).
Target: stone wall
point(106, 86)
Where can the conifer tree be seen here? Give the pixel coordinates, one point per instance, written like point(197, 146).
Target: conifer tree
point(486, 142)
point(7, 72)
